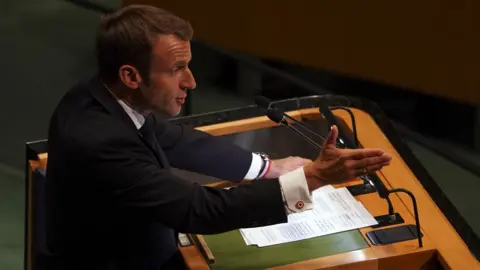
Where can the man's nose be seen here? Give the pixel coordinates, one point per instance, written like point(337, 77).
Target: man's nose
point(189, 81)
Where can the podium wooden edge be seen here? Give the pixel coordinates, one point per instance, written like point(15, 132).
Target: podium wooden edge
point(193, 258)
point(205, 249)
point(367, 259)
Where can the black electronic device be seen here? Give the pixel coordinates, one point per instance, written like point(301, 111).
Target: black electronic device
point(393, 235)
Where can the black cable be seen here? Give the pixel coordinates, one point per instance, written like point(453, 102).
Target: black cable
point(415, 210)
point(296, 122)
point(304, 136)
point(357, 143)
point(352, 118)
point(390, 206)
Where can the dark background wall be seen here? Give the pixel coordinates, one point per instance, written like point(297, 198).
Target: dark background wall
point(46, 46)
point(430, 46)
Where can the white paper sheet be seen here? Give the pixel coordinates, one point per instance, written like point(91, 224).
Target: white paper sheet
point(334, 210)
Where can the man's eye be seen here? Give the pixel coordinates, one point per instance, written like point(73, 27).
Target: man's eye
point(177, 68)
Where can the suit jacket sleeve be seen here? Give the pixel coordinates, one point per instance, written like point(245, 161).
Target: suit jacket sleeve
point(126, 171)
point(193, 150)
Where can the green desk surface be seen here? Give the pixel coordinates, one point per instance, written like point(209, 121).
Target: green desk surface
point(231, 252)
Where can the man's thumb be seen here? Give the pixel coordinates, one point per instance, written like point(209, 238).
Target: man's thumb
point(332, 136)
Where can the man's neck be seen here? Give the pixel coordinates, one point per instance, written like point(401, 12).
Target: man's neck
point(120, 93)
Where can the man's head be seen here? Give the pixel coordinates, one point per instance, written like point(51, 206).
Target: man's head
point(145, 51)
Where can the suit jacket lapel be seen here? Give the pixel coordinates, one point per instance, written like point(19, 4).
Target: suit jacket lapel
point(100, 93)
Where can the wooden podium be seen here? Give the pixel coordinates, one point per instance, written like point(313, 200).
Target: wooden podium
point(443, 246)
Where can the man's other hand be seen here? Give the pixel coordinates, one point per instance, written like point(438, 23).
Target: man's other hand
point(335, 166)
point(285, 165)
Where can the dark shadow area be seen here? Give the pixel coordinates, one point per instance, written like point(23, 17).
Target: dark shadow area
point(428, 115)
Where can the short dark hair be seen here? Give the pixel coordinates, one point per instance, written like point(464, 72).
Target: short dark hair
point(126, 37)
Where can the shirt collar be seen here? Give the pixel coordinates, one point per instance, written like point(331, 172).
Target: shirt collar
point(136, 117)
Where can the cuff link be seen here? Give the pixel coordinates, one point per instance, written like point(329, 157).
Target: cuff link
point(299, 205)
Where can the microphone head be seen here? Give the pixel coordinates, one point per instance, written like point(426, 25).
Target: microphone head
point(263, 102)
point(275, 116)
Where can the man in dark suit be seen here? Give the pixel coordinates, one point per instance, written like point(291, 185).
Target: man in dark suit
point(113, 201)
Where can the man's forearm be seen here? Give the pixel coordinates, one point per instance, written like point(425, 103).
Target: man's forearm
point(245, 206)
point(209, 155)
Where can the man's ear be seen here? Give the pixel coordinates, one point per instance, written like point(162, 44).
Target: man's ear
point(130, 76)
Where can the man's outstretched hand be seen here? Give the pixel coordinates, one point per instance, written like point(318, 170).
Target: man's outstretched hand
point(335, 166)
point(282, 166)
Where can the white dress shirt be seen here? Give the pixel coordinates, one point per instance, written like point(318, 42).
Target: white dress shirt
point(296, 195)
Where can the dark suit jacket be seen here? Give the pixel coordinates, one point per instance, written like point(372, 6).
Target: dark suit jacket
point(113, 202)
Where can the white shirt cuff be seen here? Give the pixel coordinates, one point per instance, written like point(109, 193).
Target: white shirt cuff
point(296, 196)
point(255, 167)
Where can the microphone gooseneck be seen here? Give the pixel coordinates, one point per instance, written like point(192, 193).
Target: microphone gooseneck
point(278, 117)
point(266, 104)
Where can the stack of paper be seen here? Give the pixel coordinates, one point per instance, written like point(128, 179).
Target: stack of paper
point(334, 210)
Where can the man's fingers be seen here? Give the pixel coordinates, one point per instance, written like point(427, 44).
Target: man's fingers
point(375, 167)
point(362, 163)
point(369, 169)
point(332, 136)
point(362, 153)
point(365, 166)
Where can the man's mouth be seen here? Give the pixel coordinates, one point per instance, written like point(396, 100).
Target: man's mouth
point(181, 100)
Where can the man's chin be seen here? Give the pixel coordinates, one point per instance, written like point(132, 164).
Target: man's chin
point(171, 112)
point(176, 111)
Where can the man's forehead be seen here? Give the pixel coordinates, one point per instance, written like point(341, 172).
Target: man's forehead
point(171, 48)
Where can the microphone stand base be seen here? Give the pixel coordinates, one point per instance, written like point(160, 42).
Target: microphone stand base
point(387, 220)
point(361, 189)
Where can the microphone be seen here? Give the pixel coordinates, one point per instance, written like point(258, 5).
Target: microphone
point(265, 103)
point(278, 117)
